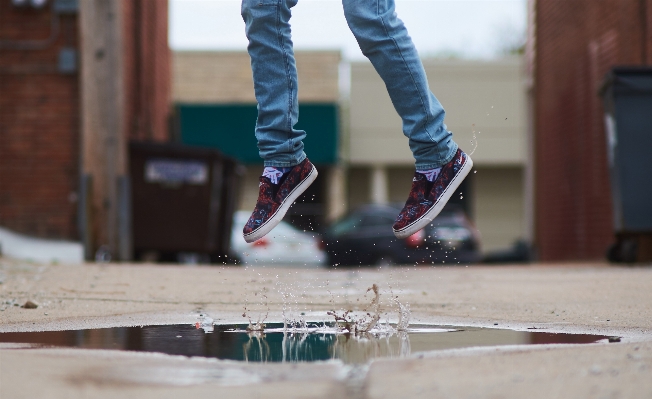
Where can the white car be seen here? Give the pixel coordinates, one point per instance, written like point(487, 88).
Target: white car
point(284, 245)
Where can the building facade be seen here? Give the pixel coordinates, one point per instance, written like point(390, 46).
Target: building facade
point(39, 121)
point(572, 46)
point(78, 80)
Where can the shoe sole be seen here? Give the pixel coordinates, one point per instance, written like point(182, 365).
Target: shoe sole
point(282, 210)
point(429, 216)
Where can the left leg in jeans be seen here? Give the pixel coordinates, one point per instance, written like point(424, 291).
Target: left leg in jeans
point(440, 165)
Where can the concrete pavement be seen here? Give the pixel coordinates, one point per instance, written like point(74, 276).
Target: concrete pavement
point(588, 298)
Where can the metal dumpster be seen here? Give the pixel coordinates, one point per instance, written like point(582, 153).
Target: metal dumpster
point(183, 199)
point(627, 96)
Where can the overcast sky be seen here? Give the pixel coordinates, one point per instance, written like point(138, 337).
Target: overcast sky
point(464, 28)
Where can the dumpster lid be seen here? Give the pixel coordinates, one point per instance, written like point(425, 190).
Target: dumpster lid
point(174, 149)
point(628, 80)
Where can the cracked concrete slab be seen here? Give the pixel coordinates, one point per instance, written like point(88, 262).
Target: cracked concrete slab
point(74, 373)
point(593, 371)
point(581, 298)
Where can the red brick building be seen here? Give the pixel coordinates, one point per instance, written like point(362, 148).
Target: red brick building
point(43, 67)
point(39, 123)
point(574, 44)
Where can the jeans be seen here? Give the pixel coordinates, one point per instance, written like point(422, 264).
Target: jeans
point(383, 39)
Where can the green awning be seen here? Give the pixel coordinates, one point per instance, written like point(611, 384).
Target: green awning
point(230, 128)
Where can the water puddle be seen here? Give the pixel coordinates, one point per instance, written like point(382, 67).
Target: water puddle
point(275, 342)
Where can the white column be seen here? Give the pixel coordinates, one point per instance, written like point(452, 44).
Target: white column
point(336, 193)
point(379, 185)
point(528, 172)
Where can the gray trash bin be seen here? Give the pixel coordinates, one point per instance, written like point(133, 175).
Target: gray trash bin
point(627, 95)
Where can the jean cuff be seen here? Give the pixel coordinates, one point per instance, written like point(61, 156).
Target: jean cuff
point(285, 164)
point(433, 165)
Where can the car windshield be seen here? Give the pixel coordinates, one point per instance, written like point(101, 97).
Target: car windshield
point(377, 220)
point(345, 225)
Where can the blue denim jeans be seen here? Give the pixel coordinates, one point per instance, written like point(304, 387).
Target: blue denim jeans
point(383, 39)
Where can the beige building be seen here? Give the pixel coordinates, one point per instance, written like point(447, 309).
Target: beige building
point(486, 111)
point(224, 77)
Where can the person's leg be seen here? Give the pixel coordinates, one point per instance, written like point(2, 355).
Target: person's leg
point(275, 81)
point(288, 172)
point(383, 39)
point(441, 166)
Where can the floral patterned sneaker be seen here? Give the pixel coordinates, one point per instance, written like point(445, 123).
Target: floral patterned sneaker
point(427, 199)
point(274, 200)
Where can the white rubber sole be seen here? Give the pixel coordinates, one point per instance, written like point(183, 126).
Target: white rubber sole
point(429, 216)
point(282, 210)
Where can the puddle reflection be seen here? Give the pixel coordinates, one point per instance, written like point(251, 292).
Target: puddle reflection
point(298, 347)
point(231, 342)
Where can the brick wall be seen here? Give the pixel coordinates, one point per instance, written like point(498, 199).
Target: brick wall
point(40, 109)
point(577, 42)
point(39, 125)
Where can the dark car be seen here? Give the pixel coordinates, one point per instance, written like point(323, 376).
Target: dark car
point(365, 237)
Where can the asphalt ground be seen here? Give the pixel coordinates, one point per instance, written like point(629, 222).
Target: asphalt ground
point(575, 298)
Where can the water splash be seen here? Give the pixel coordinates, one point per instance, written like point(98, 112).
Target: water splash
point(403, 316)
point(293, 317)
point(259, 324)
point(363, 332)
point(474, 142)
point(349, 322)
point(371, 318)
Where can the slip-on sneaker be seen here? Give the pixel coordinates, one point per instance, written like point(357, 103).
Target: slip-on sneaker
point(427, 199)
point(274, 200)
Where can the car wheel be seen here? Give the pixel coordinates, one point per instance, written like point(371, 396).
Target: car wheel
point(330, 262)
point(623, 251)
point(385, 260)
